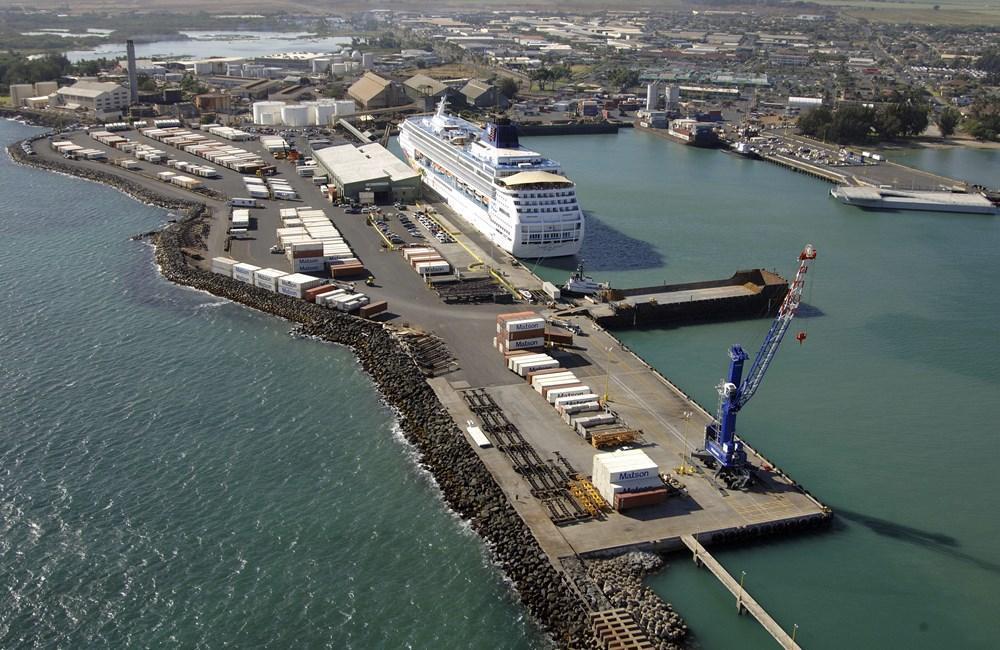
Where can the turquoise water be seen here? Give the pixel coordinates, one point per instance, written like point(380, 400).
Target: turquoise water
point(885, 413)
point(176, 471)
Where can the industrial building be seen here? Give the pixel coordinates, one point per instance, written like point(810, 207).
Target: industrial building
point(420, 87)
point(102, 98)
point(370, 173)
point(372, 91)
point(484, 95)
point(21, 93)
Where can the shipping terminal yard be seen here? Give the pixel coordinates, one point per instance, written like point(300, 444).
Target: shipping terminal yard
point(596, 450)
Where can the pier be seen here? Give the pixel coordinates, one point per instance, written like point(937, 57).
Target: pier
point(745, 603)
point(540, 463)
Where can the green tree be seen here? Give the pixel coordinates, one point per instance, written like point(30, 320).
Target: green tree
point(145, 83)
point(508, 86)
point(623, 78)
point(947, 120)
point(983, 122)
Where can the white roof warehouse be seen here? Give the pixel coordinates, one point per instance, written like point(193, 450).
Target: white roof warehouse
point(369, 168)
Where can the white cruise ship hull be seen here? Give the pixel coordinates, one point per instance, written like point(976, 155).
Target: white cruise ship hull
point(481, 217)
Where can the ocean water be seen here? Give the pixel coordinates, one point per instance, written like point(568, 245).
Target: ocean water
point(177, 471)
point(203, 43)
point(885, 413)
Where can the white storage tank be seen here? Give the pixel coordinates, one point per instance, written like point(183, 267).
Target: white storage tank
point(320, 113)
point(267, 112)
point(295, 115)
point(339, 68)
point(367, 60)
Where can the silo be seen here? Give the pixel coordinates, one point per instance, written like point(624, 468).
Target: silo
point(652, 95)
point(367, 60)
point(295, 115)
point(321, 112)
point(320, 65)
point(356, 55)
point(267, 112)
point(340, 69)
point(344, 107)
point(673, 95)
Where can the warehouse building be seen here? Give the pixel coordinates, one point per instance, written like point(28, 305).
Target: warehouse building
point(372, 91)
point(429, 91)
point(484, 95)
point(370, 173)
point(98, 97)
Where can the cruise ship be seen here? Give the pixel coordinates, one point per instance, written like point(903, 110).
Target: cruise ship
point(516, 197)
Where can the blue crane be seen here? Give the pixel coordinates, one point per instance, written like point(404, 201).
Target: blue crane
point(722, 449)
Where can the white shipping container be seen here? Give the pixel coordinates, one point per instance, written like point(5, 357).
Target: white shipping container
point(556, 393)
point(223, 266)
point(525, 324)
point(541, 388)
point(624, 466)
point(574, 409)
point(552, 378)
point(569, 400)
point(513, 361)
point(244, 272)
point(523, 344)
point(268, 279)
point(531, 366)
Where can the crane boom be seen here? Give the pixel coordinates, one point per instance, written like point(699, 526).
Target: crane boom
point(721, 446)
point(786, 313)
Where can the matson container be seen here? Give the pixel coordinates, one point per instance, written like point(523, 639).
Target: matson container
point(574, 409)
point(244, 272)
point(524, 344)
point(268, 279)
point(528, 366)
point(523, 325)
point(520, 335)
point(570, 400)
point(436, 268)
point(556, 392)
point(538, 380)
point(296, 284)
point(545, 390)
point(624, 466)
point(514, 360)
point(223, 266)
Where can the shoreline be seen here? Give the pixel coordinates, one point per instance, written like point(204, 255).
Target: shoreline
point(556, 603)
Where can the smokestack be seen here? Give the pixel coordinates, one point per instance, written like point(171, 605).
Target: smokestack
point(133, 78)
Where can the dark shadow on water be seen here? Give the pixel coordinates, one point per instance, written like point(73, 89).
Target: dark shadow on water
point(937, 542)
point(809, 311)
point(607, 249)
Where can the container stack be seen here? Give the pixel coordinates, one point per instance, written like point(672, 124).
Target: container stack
point(201, 145)
point(223, 266)
point(426, 260)
point(628, 479)
point(256, 189)
point(520, 331)
point(296, 284)
point(268, 279)
point(241, 218)
point(281, 190)
point(313, 244)
point(244, 272)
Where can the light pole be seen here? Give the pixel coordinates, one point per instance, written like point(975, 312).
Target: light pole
point(607, 371)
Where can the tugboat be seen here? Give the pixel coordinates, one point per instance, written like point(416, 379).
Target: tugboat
point(583, 284)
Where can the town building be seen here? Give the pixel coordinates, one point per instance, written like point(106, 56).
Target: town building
point(102, 98)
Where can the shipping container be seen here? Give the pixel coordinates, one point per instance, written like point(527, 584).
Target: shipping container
point(249, 203)
point(244, 272)
point(528, 366)
point(373, 309)
point(514, 361)
point(223, 266)
point(569, 400)
point(552, 393)
point(268, 279)
point(629, 500)
point(296, 284)
point(313, 293)
point(525, 344)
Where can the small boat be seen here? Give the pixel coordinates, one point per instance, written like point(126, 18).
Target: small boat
point(581, 283)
